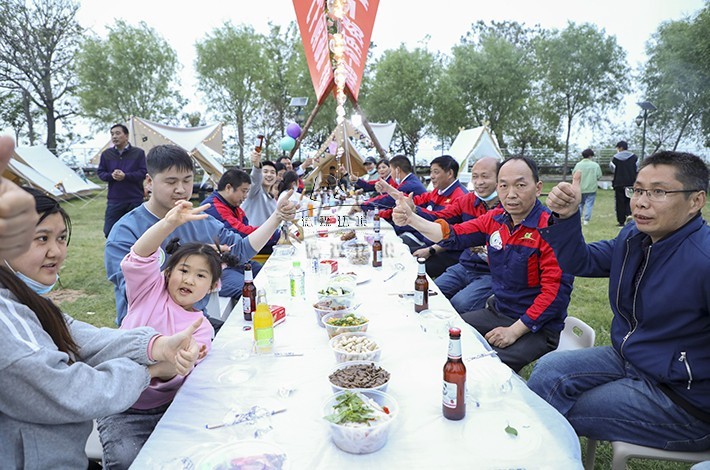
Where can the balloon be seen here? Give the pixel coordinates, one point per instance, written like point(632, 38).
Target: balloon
point(332, 147)
point(293, 130)
point(287, 143)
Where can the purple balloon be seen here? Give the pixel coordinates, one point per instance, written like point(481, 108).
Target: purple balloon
point(293, 130)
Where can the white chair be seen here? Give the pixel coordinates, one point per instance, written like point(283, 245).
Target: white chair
point(576, 335)
point(219, 307)
point(623, 451)
point(94, 450)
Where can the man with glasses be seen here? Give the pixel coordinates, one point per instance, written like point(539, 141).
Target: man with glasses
point(651, 387)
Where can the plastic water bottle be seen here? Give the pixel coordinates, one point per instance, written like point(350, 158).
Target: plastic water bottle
point(297, 281)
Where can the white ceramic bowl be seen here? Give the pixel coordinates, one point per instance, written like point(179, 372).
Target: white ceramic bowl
point(344, 365)
point(334, 330)
point(343, 355)
point(363, 439)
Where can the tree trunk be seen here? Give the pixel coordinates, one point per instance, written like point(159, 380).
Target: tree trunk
point(51, 130)
point(28, 118)
point(565, 164)
point(240, 140)
point(686, 121)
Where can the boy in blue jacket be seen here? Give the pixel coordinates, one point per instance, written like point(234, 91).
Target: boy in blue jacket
point(651, 387)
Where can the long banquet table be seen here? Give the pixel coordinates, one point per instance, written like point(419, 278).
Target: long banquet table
point(420, 436)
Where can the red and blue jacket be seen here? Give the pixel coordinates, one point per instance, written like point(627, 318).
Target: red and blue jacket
point(410, 184)
point(432, 201)
point(466, 207)
point(233, 218)
point(528, 282)
point(369, 186)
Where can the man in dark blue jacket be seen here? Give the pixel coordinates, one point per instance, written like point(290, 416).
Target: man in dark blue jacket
point(123, 167)
point(651, 387)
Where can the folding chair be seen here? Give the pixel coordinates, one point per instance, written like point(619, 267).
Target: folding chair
point(623, 451)
point(576, 335)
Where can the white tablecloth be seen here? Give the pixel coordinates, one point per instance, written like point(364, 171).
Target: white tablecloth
point(420, 436)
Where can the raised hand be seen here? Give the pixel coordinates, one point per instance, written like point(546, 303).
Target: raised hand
point(285, 208)
point(402, 211)
point(564, 198)
point(255, 158)
point(181, 350)
point(183, 212)
point(18, 216)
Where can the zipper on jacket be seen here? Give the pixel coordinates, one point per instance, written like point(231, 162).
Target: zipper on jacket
point(618, 306)
point(636, 291)
point(684, 359)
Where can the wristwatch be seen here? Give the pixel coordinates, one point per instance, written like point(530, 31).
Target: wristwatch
point(432, 251)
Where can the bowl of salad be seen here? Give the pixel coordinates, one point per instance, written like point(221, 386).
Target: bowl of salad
point(340, 322)
point(325, 307)
point(338, 294)
point(360, 421)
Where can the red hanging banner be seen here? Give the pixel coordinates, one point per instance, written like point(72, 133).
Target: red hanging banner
point(357, 29)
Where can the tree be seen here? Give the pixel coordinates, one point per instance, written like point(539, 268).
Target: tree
point(677, 76)
point(584, 73)
point(130, 73)
point(493, 77)
point(230, 74)
point(38, 42)
point(17, 112)
point(402, 90)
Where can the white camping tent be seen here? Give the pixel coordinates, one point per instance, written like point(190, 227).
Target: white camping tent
point(204, 143)
point(39, 168)
point(383, 131)
point(469, 146)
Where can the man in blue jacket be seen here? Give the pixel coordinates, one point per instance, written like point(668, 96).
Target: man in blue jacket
point(122, 166)
point(651, 387)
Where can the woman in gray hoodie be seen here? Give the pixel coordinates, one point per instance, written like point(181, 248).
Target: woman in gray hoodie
point(57, 374)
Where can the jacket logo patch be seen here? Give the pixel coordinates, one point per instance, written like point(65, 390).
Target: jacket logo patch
point(495, 242)
point(528, 236)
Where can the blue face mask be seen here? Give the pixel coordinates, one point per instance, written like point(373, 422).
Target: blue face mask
point(38, 287)
point(490, 197)
point(372, 172)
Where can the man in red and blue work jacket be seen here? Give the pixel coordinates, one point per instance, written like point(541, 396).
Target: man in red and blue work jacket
point(225, 201)
point(524, 319)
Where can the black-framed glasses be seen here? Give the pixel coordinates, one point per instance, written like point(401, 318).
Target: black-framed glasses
point(654, 194)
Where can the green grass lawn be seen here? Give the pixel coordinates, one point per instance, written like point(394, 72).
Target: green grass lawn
point(89, 296)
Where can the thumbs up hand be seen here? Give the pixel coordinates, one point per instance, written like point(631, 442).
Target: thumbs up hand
point(564, 198)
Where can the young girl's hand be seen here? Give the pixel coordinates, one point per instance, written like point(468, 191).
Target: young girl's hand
point(183, 212)
point(285, 208)
point(181, 350)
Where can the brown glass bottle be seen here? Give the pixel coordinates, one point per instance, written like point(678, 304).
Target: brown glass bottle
point(421, 288)
point(248, 293)
point(454, 392)
point(377, 251)
point(259, 142)
point(376, 220)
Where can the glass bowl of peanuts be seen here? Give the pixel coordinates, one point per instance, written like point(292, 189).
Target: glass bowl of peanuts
point(355, 347)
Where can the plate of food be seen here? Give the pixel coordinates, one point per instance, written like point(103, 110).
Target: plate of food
point(251, 453)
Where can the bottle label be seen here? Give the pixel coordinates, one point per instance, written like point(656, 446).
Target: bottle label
point(378, 256)
point(455, 349)
point(298, 287)
point(449, 394)
point(264, 338)
point(246, 302)
point(418, 297)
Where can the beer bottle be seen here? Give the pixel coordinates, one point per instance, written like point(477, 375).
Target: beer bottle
point(259, 143)
point(377, 251)
point(454, 401)
point(376, 220)
point(263, 325)
point(248, 293)
point(421, 288)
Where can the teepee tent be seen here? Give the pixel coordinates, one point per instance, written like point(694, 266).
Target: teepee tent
point(203, 143)
point(38, 167)
point(351, 158)
point(470, 145)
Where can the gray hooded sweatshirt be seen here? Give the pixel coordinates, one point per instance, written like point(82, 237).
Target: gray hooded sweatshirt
point(47, 403)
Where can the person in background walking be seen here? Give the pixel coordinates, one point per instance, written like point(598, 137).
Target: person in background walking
point(591, 173)
point(624, 165)
point(123, 167)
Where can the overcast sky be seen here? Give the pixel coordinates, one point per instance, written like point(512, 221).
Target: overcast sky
point(183, 23)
